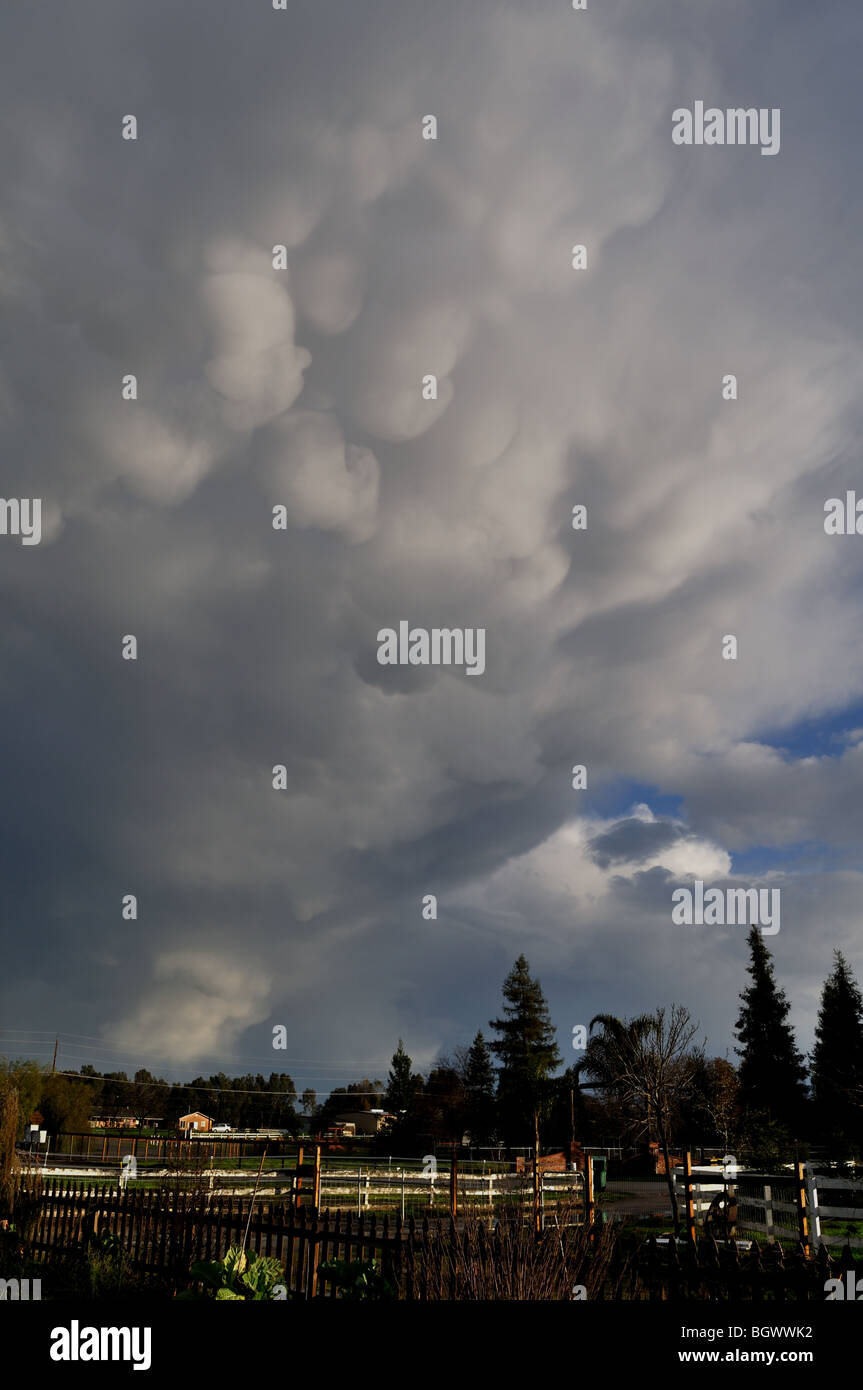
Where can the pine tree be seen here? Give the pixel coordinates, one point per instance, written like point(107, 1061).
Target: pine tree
point(401, 1084)
point(837, 1058)
point(479, 1085)
point(527, 1054)
point(772, 1073)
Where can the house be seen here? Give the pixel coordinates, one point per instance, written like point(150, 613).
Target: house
point(341, 1129)
point(194, 1121)
point(658, 1159)
point(363, 1121)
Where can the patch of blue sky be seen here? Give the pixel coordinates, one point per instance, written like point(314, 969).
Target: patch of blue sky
point(618, 798)
point(824, 735)
point(808, 857)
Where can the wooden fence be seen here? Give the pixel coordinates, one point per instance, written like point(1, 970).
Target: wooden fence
point(164, 1232)
point(106, 1148)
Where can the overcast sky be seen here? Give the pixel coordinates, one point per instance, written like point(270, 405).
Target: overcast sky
point(302, 387)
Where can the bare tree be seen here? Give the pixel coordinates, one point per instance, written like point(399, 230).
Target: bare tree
point(648, 1064)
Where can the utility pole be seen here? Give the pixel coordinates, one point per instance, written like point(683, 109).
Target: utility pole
point(54, 1063)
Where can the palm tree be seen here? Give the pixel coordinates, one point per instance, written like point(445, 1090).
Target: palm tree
point(648, 1063)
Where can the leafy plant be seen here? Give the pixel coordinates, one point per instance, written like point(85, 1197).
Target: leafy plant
point(357, 1279)
point(242, 1275)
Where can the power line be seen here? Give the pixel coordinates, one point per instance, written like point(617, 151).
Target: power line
point(21, 1035)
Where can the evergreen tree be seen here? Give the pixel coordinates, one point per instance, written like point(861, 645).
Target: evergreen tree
point(527, 1055)
point(401, 1084)
point(479, 1085)
point(837, 1059)
point(403, 1098)
point(771, 1071)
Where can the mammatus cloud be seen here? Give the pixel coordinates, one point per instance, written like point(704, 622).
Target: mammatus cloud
point(319, 480)
point(256, 367)
point(302, 388)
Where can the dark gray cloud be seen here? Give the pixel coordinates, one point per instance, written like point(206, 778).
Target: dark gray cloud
point(301, 387)
point(632, 840)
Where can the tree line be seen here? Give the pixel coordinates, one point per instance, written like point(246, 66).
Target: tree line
point(642, 1079)
point(648, 1079)
point(66, 1103)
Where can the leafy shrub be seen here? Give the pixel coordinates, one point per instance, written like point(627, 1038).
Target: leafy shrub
point(241, 1275)
point(357, 1279)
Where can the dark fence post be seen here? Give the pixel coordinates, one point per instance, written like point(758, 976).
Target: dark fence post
point(802, 1219)
point(316, 1199)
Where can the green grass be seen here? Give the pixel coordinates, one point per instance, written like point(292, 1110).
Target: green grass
point(854, 1229)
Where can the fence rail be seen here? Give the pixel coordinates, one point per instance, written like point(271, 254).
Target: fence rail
point(784, 1206)
point(361, 1188)
point(411, 1191)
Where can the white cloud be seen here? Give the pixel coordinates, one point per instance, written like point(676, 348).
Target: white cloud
point(198, 1005)
point(256, 366)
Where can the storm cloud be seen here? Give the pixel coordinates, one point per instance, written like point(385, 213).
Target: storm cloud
point(301, 387)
